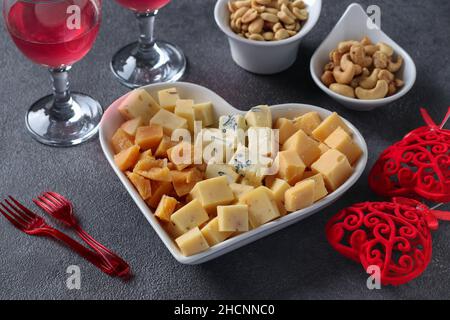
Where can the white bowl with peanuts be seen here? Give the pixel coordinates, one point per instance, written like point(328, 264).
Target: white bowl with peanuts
point(265, 35)
point(359, 66)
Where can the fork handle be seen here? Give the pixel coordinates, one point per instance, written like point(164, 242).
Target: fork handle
point(89, 255)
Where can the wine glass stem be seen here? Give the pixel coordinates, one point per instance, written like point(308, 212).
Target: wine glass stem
point(62, 106)
point(146, 23)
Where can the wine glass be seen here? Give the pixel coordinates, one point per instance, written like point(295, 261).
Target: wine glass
point(148, 60)
point(56, 34)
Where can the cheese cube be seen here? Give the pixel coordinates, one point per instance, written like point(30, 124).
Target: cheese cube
point(190, 216)
point(291, 166)
point(286, 128)
point(253, 178)
point(320, 191)
point(184, 181)
point(300, 196)
point(308, 174)
point(168, 98)
point(139, 103)
point(217, 145)
point(323, 148)
point(308, 122)
point(168, 121)
point(334, 167)
point(306, 148)
point(241, 160)
point(328, 126)
point(212, 193)
point(240, 189)
point(126, 159)
point(341, 141)
point(263, 141)
point(166, 207)
point(233, 123)
point(146, 155)
point(262, 206)
point(233, 218)
point(192, 242)
point(212, 233)
point(184, 109)
point(204, 112)
point(149, 137)
point(181, 155)
point(141, 184)
point(279, 188)
point(165, 144)
point(259, 116)
point(217, 170)
point(121, 141)
point(158, 190)
point(131, 126)
point(171, 229)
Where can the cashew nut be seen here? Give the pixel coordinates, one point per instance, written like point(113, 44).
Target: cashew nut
point(380, 60)
point(366, 41)
point(343, 77)
point(380, 91)
point(329, 66)
point(386, 49)
point(328, 78)
point(370, 49)
point(336, 57)
point(392, 89)
point(395, 66)
point(345, 46)
point(343, 89)
point(346, 63)
point(386, 75)
point(359, 57)
point(357, 80)
point(399, 83)
point(358, 69)
point(371, 81)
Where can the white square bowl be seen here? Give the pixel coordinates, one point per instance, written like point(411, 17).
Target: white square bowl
point(353, 25)
point(112, 120)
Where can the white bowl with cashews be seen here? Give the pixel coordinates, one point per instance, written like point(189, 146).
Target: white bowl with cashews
point(386, 71)
point(259, 49)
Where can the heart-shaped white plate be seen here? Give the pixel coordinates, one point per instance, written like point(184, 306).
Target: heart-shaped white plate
point(112, 120)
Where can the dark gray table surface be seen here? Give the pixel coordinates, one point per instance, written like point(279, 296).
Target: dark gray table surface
point(295, 263)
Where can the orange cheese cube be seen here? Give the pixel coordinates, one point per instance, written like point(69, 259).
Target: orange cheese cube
point(142, 185)
point(182, 155)
point(158, 190)
point(121, 141)
point(149, 137)
point(165, 208)
point(156, 174)
point(131, 126)
point(341, 141)
point(300, 196)
point(328, 126)
point(334, 167)
point(308, 122)
point(286, 129)
point(306, 148)
point(165, 144)
point(291, 166)
point(126, 159)
point(184, 181)
point(320, 190)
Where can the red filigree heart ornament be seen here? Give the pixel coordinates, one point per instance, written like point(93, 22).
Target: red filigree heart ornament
point(418, 165)
point(395, 236)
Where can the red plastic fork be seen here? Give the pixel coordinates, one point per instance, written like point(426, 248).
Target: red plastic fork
point(61, 209)
point(32, 224)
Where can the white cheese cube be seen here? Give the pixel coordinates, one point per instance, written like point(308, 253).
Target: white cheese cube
point(259, 116)
point(204, 112)
point(168, 98)
point(233, 218)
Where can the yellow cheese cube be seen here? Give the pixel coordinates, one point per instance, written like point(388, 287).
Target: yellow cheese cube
point(204, 112)
point(192, 242)
point(190, 216)
point(286, 128)
point(240, 189)
point(279, 188)
point(328, 126)
point(168, 121)
point(308, 122)
point(341, 141)
point(290, 166)
point(218, 170)
point(334, 167)
point(306, 148)
point(233, 218)
point(320, 190)
point(212, 234)
point(323, 148)
point(213, 192)
point(131, 126)
point(166, 207)
point(184, 109)
point(168, 98)
point(259, 116)
point(139, 103)
point(300, 196)
point(262, 206)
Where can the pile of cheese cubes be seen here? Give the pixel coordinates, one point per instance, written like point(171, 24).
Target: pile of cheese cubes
point(204, 203)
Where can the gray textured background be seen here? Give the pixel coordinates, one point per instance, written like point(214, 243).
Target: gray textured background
point(295, 263)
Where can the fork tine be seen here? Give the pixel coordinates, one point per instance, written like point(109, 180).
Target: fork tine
point(58, 197)
point(18, 218)
point(49, 201)
point(40, 202)
point(17, 224)
point(24, 209)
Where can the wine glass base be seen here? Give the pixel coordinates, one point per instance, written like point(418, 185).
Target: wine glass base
point(79, 127)
point(167, 64)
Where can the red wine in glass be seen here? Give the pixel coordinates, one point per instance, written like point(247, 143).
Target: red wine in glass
point(56, 34)
point(148, 60)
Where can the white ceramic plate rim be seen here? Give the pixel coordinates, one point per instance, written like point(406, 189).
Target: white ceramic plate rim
point(249, 236)
point(406, 57)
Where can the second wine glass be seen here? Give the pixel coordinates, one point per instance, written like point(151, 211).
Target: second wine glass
point(148, 60)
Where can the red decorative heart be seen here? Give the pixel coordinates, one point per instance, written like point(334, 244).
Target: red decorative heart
point(418, 165)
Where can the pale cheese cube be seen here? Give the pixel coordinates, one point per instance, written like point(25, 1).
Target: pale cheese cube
point(130, 127)
point(334, 167)
point(323, 148)
point(306, 148)
point(291, 166)
point(139, 103)
point(204, 112)
point(217, 147)
point(262, 206)
point(212, 233)
point(213, 192)
point(286, 128)
point(320, 191)
point(240, 189)
point(181, 155)
point(190, 216)
point(192, 242)
point(341, 141)
point(233, 218)
point(259, 116)
point(300, 196)
point(244, 162)
point(308, 122)
point(184, 109)
point(218, 170)
point(263, 141)
point(166, 207)
point(279, 188)
point(253, 178)
point(168, 121)
point(328, 126)
point(168, 98)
